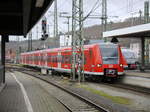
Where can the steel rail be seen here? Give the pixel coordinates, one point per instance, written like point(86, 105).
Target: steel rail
point(98, 107)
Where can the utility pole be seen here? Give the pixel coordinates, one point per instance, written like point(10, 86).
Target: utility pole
point(104, 17)
point(37, 32)
point(68, 22)
point(30, 41)
point(146, 20)
point(55, 20)
point(30, 35)
point(17, 50)
point(77, 40)
point(140, 16)
point(146, 11)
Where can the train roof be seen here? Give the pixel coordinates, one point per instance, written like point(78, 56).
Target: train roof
point(67, 48)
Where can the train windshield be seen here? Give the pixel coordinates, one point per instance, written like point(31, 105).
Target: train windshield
point(109, 54)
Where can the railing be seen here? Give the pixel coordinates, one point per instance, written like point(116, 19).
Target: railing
point(1, 74)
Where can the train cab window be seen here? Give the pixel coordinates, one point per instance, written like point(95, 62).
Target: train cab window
point(109, 54)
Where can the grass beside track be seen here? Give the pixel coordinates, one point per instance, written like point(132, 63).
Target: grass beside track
point(116, 99)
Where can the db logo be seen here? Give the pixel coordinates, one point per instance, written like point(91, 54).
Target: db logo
point(110, 66)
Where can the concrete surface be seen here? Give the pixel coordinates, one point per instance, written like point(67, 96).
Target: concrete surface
point(23, 94)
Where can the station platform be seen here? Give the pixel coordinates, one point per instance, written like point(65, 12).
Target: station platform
point(137, 78)
point(22, 94)
point(138, 73)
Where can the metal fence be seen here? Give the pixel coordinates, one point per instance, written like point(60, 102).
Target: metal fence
point(1, 74)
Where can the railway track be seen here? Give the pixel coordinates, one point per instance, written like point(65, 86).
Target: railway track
point(91, 107)
point(119, 85)
point(133, 88)
point(91, 102)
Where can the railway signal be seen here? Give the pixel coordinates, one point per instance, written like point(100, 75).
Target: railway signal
point(44, 29)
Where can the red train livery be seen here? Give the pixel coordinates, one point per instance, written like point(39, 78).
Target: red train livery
point(103, 59)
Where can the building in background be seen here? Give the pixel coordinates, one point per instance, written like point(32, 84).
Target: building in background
point(136, 48)
point(65, 40)
point(10, 55)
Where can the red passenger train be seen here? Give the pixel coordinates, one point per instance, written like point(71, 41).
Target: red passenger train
point(101, 60)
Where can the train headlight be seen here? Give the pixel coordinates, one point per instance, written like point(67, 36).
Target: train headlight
point(121, 65)
point(99, 65)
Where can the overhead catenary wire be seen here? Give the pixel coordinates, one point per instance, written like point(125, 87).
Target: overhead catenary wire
point(124, 7)
point(92, 10)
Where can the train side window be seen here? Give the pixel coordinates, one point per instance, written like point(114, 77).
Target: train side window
point(84, 59)
point(90, 52)
point(49, 59)
point(32, 58)
point(62, 60)
point(36, 58)
point(70, 59)
point(56, 59)
point(44, 58)
point(67, 59)
point(53, 60)
point(41, 58)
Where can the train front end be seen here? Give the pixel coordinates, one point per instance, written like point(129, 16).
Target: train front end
point(112, 60)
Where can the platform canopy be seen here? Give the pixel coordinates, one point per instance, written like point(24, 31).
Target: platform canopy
point(17, 17)
point(138, 31)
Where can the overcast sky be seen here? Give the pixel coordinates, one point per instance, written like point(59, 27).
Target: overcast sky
point(120, 8)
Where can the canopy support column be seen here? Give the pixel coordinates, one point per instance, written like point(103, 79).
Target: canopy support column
point(142, 54)
point(4, 38)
